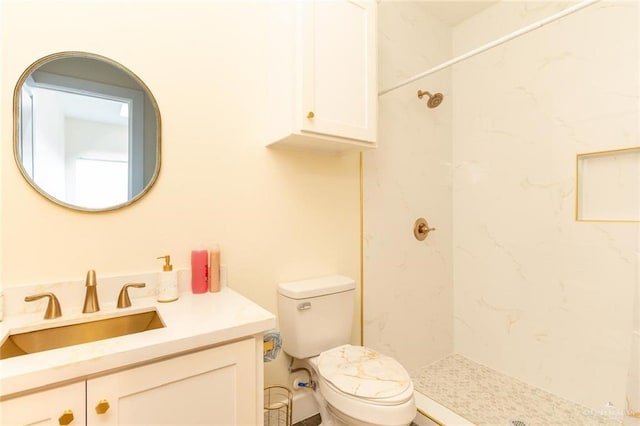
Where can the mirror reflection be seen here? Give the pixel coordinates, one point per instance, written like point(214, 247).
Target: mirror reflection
point(86, 131)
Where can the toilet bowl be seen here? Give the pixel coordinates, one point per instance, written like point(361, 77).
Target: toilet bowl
point(356, 386)
point(361, 387)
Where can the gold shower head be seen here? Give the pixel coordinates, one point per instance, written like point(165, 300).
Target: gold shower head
point(434, 100)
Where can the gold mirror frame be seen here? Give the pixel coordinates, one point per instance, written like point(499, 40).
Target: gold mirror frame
point(16, 127)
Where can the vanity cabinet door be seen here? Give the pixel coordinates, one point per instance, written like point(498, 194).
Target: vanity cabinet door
point(216, 386)
point(59, 406)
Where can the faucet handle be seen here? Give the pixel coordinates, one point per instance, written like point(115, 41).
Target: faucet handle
point(123, 297)
point(53, 307)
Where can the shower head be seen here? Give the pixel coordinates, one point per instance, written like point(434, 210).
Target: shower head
point(434, 100)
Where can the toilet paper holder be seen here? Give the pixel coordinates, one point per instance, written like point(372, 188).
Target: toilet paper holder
point(271, 345)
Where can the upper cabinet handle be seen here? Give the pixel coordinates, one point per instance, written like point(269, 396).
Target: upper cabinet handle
point(310, 115)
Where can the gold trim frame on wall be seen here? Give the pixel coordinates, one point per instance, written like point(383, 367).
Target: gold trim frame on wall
point(608, 186)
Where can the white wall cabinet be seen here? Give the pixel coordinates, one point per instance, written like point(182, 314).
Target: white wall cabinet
point(216, 386)
point(322, 88)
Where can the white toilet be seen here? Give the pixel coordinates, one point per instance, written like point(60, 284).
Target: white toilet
point(355, 385)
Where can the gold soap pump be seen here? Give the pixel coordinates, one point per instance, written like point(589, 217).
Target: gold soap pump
point(167, 282)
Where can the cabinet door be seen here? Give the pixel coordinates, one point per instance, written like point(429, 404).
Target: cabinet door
point(60, 406)
point(339, 69)
point(216, 386)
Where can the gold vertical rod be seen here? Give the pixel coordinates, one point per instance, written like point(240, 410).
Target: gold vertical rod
point(577, 196)
point(361, 252)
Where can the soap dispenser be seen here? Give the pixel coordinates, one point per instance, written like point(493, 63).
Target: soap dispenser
point(168, 282)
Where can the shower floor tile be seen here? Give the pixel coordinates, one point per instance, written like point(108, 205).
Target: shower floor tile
point(486, 397)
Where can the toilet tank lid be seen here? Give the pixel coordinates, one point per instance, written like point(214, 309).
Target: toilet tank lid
point(316, 287)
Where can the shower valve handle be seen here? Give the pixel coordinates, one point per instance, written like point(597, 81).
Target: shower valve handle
point(421, 229)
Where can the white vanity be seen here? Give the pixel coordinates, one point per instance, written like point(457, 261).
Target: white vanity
point(204, 366)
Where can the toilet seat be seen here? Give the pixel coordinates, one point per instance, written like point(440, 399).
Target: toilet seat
point(399, 399)
point(364, 373)
point(366, 385)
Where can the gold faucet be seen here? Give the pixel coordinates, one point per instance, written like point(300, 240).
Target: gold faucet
point(53, 307)
point(123, 298)
point(91, 296)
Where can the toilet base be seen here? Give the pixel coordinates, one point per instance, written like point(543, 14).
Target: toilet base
point(326, 419)
point(342, 419)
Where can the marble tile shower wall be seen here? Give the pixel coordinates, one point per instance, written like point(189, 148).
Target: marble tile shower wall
point(509, 279)
point(538, 295)
point(408, 305)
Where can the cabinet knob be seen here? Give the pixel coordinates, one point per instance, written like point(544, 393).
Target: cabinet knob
point(66, 417)
point(310, 115)
point(102, 407)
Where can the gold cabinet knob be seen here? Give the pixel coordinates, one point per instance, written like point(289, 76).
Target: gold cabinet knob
point(310, 115)
point(66, 417)
point(102, 407)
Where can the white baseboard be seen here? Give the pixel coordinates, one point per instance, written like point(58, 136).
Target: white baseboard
point(304, 405)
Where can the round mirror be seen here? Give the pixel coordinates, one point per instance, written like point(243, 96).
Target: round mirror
point(86, 131)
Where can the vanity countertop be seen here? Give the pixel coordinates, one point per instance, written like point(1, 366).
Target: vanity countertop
point(191, 322)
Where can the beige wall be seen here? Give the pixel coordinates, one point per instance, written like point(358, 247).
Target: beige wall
point(277, 215)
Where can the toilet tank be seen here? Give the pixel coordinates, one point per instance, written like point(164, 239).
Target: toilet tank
point(316, 314)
